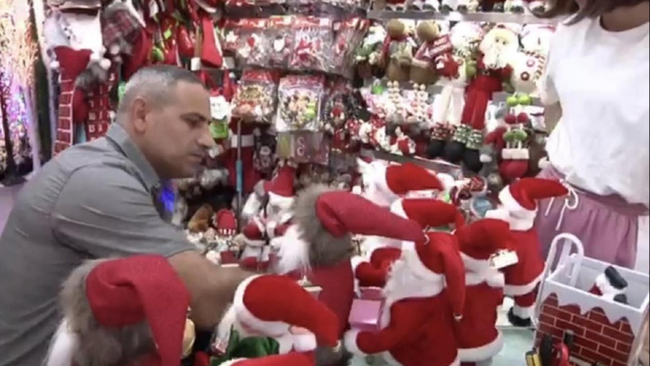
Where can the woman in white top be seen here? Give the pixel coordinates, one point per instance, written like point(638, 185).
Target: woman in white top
point(598, 76)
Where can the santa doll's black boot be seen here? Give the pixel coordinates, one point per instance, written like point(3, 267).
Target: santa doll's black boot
point(440, 135)
point(455, 149)
point(472, 154)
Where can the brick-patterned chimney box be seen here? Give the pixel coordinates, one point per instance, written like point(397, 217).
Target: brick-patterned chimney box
point(605, 331)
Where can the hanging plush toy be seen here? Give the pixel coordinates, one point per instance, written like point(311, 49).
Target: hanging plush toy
point(273, 315)
point(397, 51)
point(496, 51)
point(519, 206)
point(130, 311)
point(611, 286)
point(425, 298)
point(456, 71)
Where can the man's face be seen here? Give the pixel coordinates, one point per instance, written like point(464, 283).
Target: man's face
point(175, 136)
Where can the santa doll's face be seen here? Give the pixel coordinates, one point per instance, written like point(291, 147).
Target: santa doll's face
point(172, 129)
point(291, 251)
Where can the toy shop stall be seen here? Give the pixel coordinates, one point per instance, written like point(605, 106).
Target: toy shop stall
point(376, 163)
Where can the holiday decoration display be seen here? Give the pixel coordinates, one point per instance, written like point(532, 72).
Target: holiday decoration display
point(519, 205)
point(18, 53)
point(260, 323)
point(605, 331)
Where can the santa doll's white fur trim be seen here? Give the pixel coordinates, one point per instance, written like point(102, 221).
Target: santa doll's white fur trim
point(233, 362)
point(272, 329)
point(520, 221)
point(480, 271)
point(350, 343)
point(410, 255)
point(524, 313)
point(304, 342)
point(511, 204)
point(397, 208)
point(284, 203)
point(482, 353)
point(292, 251)
point(63, 346)
point(390, 360)
point(520, 290)
point(608, 291)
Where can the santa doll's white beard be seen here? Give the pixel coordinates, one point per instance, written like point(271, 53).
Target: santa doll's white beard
point(63, 347)
point(292, 252)
point(494, 59)
point(403, 283)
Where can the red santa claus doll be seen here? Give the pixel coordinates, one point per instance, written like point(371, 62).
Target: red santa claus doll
point(384, 184)
point(519, 208)
point(496, 50)
point(292, 359)
point(479, 339)
point(273, 315)
point(425, 298)
point(140, 296)
point(319, 243)
point(429, 213)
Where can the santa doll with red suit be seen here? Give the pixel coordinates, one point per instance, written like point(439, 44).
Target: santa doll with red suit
point(256, 238)
point(478, 338)
point(497, 49)
point(125, 312)
point(319, 244)
point(292, 359)
point(273, 315)
point(425, 298)
point(429, 213)
point(518, 207)
point(385, 184)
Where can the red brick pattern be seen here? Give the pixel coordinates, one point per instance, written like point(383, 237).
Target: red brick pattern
point(596, 339)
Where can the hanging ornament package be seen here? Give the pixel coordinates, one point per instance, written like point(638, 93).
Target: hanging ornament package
point(299, 104)
point(313, 38)
point(256, 95)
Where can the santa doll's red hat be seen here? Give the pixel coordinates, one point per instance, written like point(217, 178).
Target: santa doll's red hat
point(281, 187)
point(521, 197)
point(438, 259)
point(139, 294)
point(481, 239)
point(401, 179)
point(326, 219)
point(292, 359)
point(428, 212)
point(270, 304)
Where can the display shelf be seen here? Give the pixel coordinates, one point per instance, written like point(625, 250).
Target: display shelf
point(460, 17)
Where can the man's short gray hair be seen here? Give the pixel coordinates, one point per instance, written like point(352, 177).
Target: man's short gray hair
point(156, 84)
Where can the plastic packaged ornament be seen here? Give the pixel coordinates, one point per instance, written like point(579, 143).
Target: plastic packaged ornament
point(312, 39)
point(255, 97)
point(264, 158)
point(300, 99)
point(280, 33)
point(349, 35)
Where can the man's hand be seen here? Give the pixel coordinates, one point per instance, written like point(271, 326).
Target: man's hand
point(212, 288)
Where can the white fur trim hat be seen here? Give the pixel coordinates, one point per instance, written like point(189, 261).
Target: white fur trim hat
point(520, 198)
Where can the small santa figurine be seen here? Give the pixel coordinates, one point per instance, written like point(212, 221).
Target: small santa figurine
point(519, 206)
point(611, 286)
point(479, 340)
point(119, 312)
point(385, 184)
point(429, 213)
point(262, 323)
point(425, 298)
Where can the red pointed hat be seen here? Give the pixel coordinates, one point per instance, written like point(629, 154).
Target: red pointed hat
point(342, 213)
point(481, 239)
point(401, 179)
point(282, 184)
point(271, 303)
point(523, 195)
point(428, 212)
point(72, 62)
point(437, 257)
point(129, 291)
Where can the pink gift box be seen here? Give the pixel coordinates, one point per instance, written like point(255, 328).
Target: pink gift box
point(365, 315)
point(371, 293)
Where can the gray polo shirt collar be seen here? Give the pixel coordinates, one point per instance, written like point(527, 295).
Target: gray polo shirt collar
point(120, 137)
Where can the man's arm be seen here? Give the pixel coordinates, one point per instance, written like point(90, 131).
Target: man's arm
point(104, 212)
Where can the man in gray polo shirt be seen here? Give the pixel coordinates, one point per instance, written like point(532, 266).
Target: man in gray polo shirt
point(97, 200)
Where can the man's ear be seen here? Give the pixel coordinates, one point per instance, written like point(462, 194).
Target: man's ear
point(139, 111)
